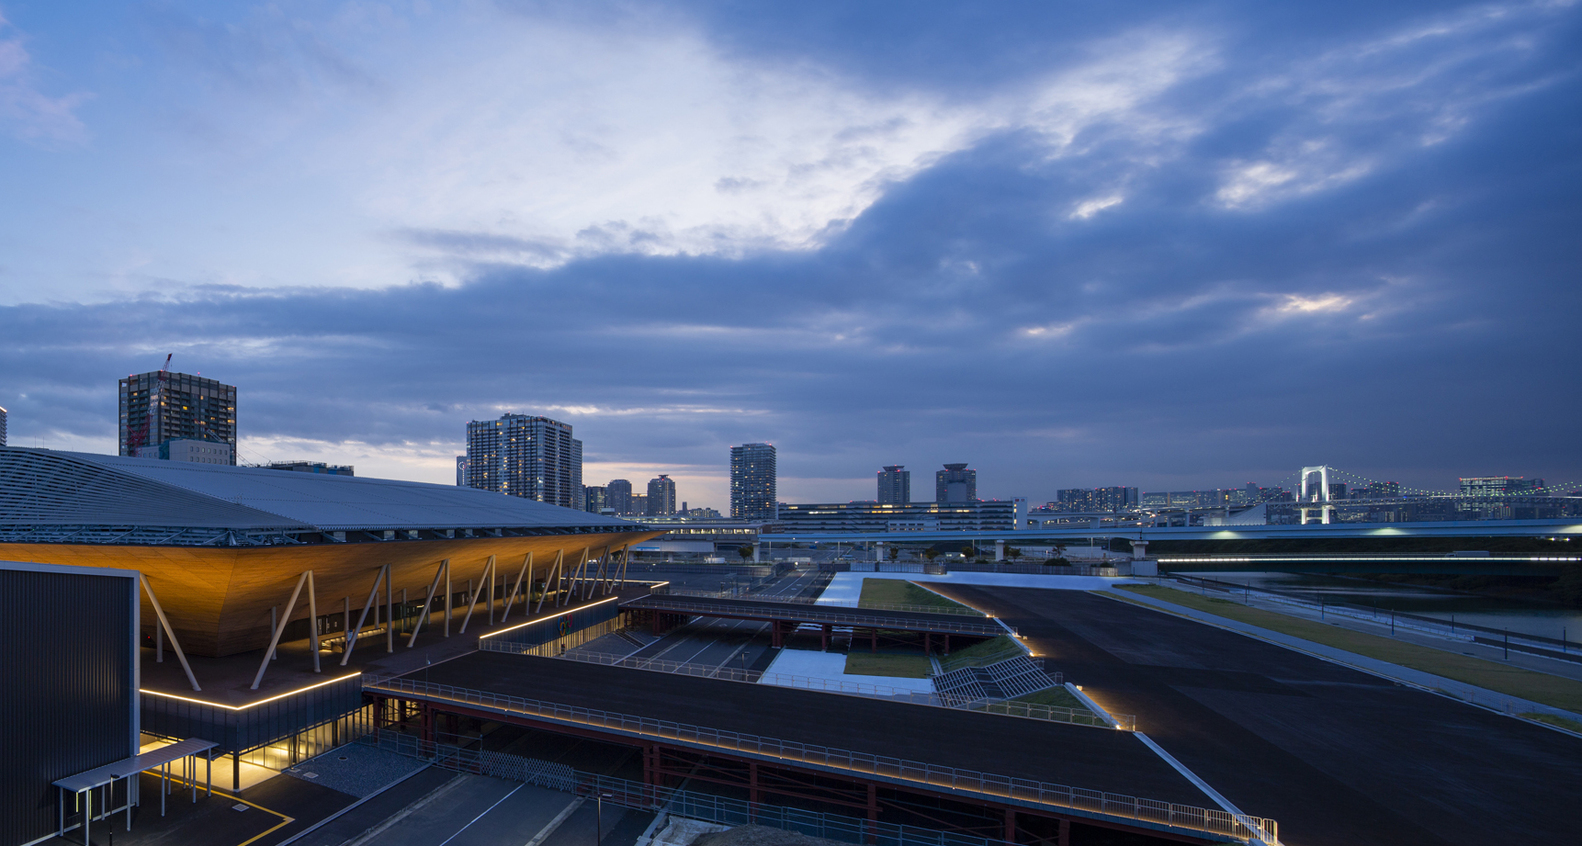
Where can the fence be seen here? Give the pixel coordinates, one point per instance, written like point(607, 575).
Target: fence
point(673, 801)
point(990, 786)
point(1449, 630)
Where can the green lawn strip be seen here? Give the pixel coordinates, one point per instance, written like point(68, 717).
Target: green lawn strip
point(887, 664)
point(1512, 681)
point(1001, 647)
point(1555, 720)
point(1057, 697)
point(880, 592)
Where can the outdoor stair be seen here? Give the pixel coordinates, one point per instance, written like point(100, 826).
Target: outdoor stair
point(1001, 680)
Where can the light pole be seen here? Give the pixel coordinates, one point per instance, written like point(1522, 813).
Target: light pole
point(598, 820)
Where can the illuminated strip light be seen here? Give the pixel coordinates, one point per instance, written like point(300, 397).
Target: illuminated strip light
point(551, 617)
point(250, 704)
point(1555, 559)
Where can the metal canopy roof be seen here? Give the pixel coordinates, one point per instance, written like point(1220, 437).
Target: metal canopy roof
point(100, 776)
point(46, 488)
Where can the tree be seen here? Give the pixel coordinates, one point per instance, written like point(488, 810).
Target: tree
point(746, 552)
point(895, 552)
point(931, 553)
point(1012, 552)
point(969, 551)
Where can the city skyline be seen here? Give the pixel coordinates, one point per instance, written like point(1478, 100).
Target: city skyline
point(1169, 247)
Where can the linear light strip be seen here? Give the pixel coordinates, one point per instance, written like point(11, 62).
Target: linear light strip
point(250, 704)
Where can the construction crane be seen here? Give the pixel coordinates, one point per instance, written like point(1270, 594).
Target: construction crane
point(155, 398)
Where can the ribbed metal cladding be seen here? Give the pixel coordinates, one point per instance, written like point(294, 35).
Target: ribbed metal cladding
point(67, 687)
point(254, 726)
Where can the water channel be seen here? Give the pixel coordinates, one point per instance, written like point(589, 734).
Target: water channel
point(1520, 616)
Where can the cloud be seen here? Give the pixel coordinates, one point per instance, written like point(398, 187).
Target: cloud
point(1160, 251)
point(26, 112)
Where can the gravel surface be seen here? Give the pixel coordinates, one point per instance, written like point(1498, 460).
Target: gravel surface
point(355, 769)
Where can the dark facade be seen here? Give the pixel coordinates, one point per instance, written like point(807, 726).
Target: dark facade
point(895, 484)
point(255, 725)
point(754, 479)
point(956, 483)
point(661, 501)
point(618, 495)
point(161, 406)
point(68, 699)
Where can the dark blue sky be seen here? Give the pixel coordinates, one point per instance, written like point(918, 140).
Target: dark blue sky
point(1172, 246)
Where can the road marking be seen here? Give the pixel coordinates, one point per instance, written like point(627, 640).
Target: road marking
point(482, 815)
point(555, 823)
point(284, 820)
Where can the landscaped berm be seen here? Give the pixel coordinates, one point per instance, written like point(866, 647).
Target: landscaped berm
point(890, 593)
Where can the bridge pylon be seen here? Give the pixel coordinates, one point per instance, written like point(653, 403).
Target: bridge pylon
point(1320, 496)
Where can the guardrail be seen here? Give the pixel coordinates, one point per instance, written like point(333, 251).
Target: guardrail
point(674, 801)
point(991, 786)
point(1446, 629)
point(814, 615)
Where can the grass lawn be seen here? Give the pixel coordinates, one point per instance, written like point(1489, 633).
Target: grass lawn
point(1000, 647)
point(1513, 681)
point(887, 664)
point(1551, 719)
point(1057, 697)
point(877, 592)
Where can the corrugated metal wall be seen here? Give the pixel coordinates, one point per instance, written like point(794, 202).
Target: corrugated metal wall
point(67, 688)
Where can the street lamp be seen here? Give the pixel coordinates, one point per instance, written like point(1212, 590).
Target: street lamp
point(598, 819)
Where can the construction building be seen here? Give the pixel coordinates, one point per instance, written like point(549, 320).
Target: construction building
point(162, 407)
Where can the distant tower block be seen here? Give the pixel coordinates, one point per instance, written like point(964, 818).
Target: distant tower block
point(1321, 495)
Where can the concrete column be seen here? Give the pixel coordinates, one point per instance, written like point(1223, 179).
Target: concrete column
point(999, 550)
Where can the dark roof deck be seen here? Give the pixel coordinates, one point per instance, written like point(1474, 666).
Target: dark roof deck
point(1055, 753)
point(836, 615)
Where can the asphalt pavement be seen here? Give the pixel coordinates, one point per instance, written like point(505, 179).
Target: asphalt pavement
point(1336, 755)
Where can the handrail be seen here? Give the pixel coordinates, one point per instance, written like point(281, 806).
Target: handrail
point(960, 611)
point(989, 785)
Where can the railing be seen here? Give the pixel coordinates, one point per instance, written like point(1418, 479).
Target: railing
point(1446, 629)
point(814, 615)
point(673, 801)
point(991, 786)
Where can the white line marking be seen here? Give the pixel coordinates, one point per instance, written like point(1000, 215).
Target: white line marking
point(481, 816)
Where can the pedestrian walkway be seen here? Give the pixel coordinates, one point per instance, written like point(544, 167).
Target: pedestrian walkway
point(1480, 696)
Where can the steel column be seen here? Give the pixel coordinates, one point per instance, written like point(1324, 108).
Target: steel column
point(164, 624)
point(313, 622)
point(488, 579)
point(280, 629)
point(373, 593)
point(527, 572)
point(442, 570)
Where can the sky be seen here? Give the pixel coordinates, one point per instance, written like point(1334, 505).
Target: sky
point(1170, 245)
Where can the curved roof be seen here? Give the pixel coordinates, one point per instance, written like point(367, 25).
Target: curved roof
point(40, 488)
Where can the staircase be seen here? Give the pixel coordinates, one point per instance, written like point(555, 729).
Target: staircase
point(1001, 680)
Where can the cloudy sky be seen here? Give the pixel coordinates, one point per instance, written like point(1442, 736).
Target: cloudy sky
point(1171, 245)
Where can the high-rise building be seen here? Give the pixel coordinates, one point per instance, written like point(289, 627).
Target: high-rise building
point(753, 482)
point(956, 483)
point(618, 495)
point(2, 427)
point(531, 457)
point(895, 485)
point(161, 406)
point(595, 500)
point(1500, 485)
point(661, 497)
point(639, 505)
